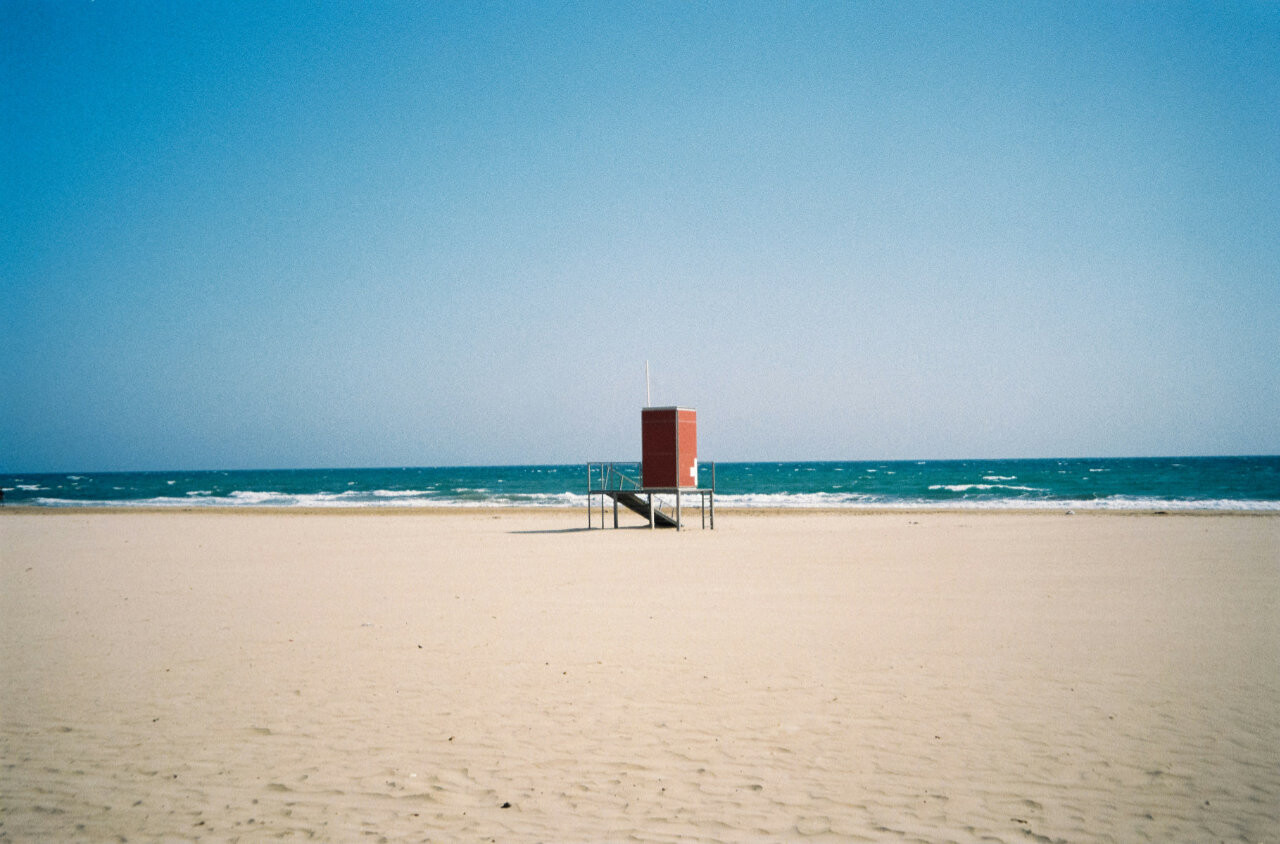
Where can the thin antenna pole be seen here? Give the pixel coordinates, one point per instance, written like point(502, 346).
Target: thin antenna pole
point(648, 401)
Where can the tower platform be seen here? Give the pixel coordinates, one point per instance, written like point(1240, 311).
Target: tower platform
point(662, 506)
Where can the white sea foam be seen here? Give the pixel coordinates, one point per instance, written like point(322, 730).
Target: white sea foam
point(1127, 503)
point(250, 497)
point(347, 499)
point(824, 500)
point(839, 499)
point(549, 499)
point(968, 487)
point(30, 487)
point(999, 477)
point(796, 500)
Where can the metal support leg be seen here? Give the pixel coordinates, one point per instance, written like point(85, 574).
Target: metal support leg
point(615, 512)
point(651, 511)
point(679, 521)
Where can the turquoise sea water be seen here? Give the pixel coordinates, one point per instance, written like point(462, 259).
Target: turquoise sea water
point(1183, 483)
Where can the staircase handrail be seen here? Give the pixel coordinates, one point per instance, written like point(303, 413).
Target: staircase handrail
point(624, 482)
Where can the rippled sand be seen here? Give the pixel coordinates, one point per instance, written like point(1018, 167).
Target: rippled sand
point(510, 676)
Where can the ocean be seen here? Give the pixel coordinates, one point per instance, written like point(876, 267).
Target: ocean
point(1182, 483)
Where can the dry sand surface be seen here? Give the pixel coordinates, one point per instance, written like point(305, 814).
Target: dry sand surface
point(510, 676)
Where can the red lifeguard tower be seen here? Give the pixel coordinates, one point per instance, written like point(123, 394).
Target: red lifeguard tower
point(669, 445)
point(668, 467)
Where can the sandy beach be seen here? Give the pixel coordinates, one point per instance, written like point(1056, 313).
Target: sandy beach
point(510, 676)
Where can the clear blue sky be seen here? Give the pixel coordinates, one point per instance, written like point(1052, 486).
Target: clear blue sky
point(257, 234)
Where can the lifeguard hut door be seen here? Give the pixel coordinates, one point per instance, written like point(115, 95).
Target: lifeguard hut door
point(669, 443)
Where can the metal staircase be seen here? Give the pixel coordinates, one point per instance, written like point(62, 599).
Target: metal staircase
point(627, 491)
